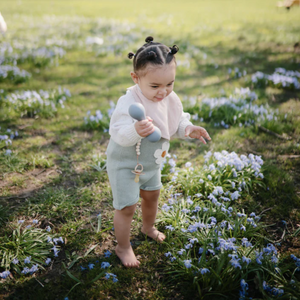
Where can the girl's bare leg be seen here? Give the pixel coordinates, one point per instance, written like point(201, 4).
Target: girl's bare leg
point(122, 224)
point(149, 211)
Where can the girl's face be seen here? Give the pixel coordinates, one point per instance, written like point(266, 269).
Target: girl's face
point(158, 81)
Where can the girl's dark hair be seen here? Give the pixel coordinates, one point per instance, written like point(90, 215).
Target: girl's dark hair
point(152, 53)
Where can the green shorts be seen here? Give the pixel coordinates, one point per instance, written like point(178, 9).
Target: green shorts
point(122, 160)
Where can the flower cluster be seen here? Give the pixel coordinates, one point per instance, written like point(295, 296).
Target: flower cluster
point(32, 103)
point(297, 261)
point(237, 109)
point(6, 137)
point(236, 72)
point(236, 173)
point(13, 73)
point(272, 290)
point(37, 245)
point(281, 78)
point(99, 120)
point(41, 56)
point(204, 228)
point(103, 265)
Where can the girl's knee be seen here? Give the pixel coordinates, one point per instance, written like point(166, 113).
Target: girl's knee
point(150, 195)
point(128, 210)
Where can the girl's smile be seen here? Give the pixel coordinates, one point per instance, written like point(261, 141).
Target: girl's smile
point(158, 81)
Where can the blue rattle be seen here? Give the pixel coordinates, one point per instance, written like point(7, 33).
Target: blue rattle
point(137, 111)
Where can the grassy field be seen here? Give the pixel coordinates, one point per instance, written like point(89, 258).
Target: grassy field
point(54, 173)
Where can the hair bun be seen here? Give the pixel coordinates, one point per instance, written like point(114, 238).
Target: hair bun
point(174, 49)
point(149, 39)
point(130, 55)
point(151, 55)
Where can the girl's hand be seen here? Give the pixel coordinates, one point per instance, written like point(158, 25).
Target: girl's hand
point(144, 127)
point(197, 132)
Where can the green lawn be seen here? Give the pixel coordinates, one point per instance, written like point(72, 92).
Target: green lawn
point(51, 174)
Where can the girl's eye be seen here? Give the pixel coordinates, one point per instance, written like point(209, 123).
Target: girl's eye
point(154, 87)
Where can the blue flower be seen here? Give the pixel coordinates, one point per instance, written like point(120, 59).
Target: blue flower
point(55, 250)
point(27, 260)
point(204, 271)
point(235, 263)
point(193, 240)
point(91, 266)
point(180, 252)
point(48, 260)
point(105, 265)
point(35, 221)
point(107, 254)
point(15, 261)
point(25, 270)
point(5, 274)
point(187, 263)
point(246, 260)
point(244, 284)
point(33, 269)
point(114, 277)
point(170, 227)
point(168, 254)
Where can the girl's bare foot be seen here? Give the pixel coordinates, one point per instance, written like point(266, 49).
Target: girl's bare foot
point(127, 257)
point(154, 234)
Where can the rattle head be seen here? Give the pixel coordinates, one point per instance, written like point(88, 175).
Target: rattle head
point(137, 111)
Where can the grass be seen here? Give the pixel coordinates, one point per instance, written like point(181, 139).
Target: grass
point(50, 177)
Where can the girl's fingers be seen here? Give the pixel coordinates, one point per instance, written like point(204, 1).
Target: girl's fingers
point(148, 118)
point(202, 140)
point(206, 135)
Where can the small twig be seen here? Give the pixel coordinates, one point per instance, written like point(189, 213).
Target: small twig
point(273, 133)
point(252, 151)
point(265, 210)
point(288, 156)
point(39, 282)
point(40, 172)
point(13, 197)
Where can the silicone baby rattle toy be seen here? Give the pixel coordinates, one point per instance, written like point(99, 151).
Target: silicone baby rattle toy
point(137, 111)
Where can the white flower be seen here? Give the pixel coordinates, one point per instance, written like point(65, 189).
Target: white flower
point(161, 153)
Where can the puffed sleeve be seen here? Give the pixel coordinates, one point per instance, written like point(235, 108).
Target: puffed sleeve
point(121, 128)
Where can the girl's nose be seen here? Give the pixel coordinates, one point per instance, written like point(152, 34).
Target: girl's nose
point(162, 91)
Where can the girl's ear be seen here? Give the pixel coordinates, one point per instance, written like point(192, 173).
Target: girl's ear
point(134, 77)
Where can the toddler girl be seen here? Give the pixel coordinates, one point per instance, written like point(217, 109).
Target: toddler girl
point(133, 162)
